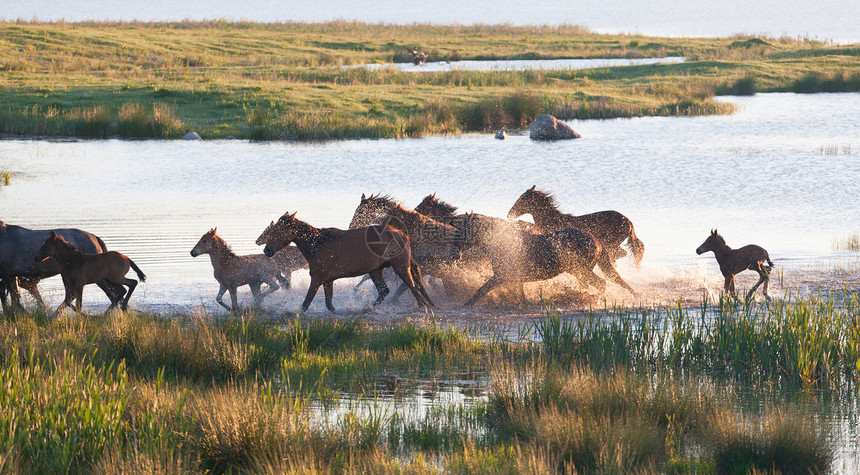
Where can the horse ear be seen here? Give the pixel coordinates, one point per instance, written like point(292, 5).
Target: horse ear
point(215, 230)
point(293, 216)
point(363, 197)
point(533, 188)
point(53, 235)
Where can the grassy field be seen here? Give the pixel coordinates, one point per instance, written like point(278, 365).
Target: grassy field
point(282, 81)
point(677, 391)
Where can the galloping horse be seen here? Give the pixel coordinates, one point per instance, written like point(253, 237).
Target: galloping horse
point(735, 261)
point(526, 257)
point(232, 271)
point(611, 228)
point(334, 253)
point(18, 245)
point(431, 240)
point(79, 269)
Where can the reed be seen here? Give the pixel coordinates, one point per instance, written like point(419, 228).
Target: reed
point(5, 178)
point(850, 242)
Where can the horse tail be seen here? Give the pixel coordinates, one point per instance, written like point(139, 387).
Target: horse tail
point(101, 243)
point(636, 246)
point(137, 269)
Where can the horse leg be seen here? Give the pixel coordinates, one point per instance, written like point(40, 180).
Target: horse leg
point(730, 286)
point(608, 268)
point(79, 298)
point(364, 279)
point(328, 289)
point(522, 293)
point(284, 279)
point(14, 295)
point(32, 286)
point(587, 277)
point(132, 284)
point(234, 299)
point(381, 286)
point(272, 286)
point(255, 291)
point(489, 285)
point(312, 291)
point(112, 292)
point(418, 279)
point(219, 297)
point(404, 271)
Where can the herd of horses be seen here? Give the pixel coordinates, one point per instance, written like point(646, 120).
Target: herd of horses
point(432, 239)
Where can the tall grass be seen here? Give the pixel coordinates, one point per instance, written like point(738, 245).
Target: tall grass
point(810, 341)
point(5, 178)
point(850, 242)
point(128, 120)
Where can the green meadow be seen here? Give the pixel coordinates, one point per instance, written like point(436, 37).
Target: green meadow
point(725, 387)
point(284, 81)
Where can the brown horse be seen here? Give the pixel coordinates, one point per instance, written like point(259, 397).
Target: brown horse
point(611, 228)
point(334, 253)
point(525, 257)
point(232, 271)
point(79, 269)
point(418, 57)
point(446, 213)
point(735, 261)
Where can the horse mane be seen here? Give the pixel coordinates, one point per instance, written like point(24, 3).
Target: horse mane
point(385, 199)
point(443, 207)
point(545, 198)
point(221, 242)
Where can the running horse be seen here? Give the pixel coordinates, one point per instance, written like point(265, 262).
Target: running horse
point(610, 228)
point(735, 261)
point(335, 253)
point(18, 245)
point(79, 269)
point(232, 271)
point(521, 256)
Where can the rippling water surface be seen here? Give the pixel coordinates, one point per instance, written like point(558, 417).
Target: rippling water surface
point(782, 172)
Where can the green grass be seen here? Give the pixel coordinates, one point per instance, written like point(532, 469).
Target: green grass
point(282, 81)
point(675, 390)
point(5, 178)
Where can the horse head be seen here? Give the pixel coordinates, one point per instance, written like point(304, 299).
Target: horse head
point(51, 247)
point(714, 239)
point(204, 245)
point(279, 234)
point(371, 210)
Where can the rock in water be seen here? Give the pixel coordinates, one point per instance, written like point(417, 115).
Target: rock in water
point(191, 136)
point(547, 127)
point(501, 135)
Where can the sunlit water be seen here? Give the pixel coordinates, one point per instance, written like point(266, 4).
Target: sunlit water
point(782, 173)
point(826, 19)
point(518, 65)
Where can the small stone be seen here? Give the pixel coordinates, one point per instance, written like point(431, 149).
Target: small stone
point(191, 136)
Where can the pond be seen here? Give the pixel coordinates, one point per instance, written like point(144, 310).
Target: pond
point(519, 65)
point(781, 172)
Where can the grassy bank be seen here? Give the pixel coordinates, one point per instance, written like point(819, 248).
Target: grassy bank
point(678, 391)
point(281, 81)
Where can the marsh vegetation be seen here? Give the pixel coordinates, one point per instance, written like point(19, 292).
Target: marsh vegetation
point(285, 81)
point(709, 389)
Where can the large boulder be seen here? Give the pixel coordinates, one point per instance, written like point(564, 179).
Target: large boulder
point(547, 127)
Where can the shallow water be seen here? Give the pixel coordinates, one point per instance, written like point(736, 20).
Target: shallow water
point(518, 65)
point(827, 19)
point(782, 173)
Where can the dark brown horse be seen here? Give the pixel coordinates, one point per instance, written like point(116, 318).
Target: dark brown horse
point(611, 228)
point(79, 269)
point(525, 257)
point(18, 245)
point(735, 261)
point(334, 253)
